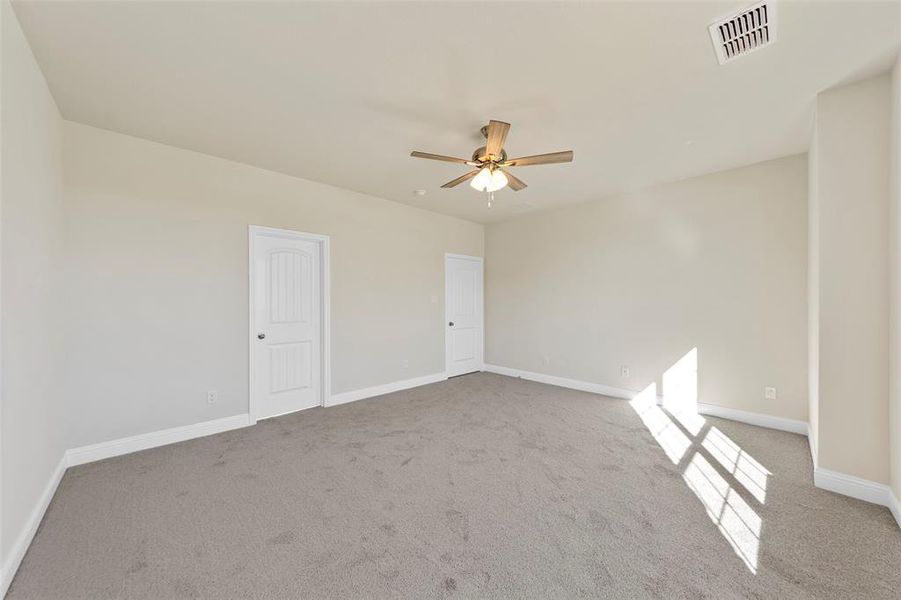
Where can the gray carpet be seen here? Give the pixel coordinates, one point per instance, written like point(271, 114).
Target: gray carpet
point(481, 486)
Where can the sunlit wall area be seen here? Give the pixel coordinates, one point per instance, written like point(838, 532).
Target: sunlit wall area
point(717, 263)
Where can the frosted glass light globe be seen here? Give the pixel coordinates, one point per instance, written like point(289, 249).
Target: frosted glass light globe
point(488, 181)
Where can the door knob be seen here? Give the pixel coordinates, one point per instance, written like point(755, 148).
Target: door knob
point(261, 336)
point(451, 324)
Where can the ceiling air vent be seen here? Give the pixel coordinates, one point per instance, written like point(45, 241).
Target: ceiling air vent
point(744, 32)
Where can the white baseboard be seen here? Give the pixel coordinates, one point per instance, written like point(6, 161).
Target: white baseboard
point(895, 506)
point(20, 546)
point(135, 443)
point(752, 418)
point(385, 388)
point(855, 487)
point(780, 423)
point(812, 444)
point(573, 384)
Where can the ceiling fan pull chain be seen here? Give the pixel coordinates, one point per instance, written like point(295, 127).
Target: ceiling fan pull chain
point(490, 198)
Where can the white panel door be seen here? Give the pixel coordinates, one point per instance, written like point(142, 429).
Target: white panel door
point(287, 331)
point(463, 307)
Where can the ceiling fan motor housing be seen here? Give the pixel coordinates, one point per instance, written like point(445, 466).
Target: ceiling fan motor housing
point(480, 155)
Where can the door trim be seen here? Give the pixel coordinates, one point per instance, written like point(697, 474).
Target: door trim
point(253, 232)
point(481, 261)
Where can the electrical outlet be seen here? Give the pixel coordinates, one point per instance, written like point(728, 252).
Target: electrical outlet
point(546, 360)
point(624, 371)
point(769, 393)
point(406, 364)
point(212, 396)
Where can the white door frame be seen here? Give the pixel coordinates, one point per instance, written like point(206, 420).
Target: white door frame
point(481, 261)
point(254, 231)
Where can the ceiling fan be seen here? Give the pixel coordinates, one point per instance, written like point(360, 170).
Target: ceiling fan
point(491, 163)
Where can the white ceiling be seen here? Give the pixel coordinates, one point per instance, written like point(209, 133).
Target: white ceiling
point(342, 92)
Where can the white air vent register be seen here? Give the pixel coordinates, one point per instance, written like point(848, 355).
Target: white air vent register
point(744, 32)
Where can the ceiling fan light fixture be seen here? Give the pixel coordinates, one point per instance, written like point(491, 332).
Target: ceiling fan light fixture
point(481, 181)
point(498, 180)
point(489, 180)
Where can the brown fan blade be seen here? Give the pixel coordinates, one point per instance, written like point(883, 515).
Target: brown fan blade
point(497, 135)
point(461, 179)
point(540, 159)
point(452, 159)
point(514, 182)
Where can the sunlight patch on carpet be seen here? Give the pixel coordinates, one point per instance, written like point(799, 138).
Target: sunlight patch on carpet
point(713, 466)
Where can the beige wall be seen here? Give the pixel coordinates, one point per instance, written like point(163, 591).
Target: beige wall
point(716, 262)
point(852, 175)
point(156, 288)
point(813, 297)
point(895, 283)
point(32, 439)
